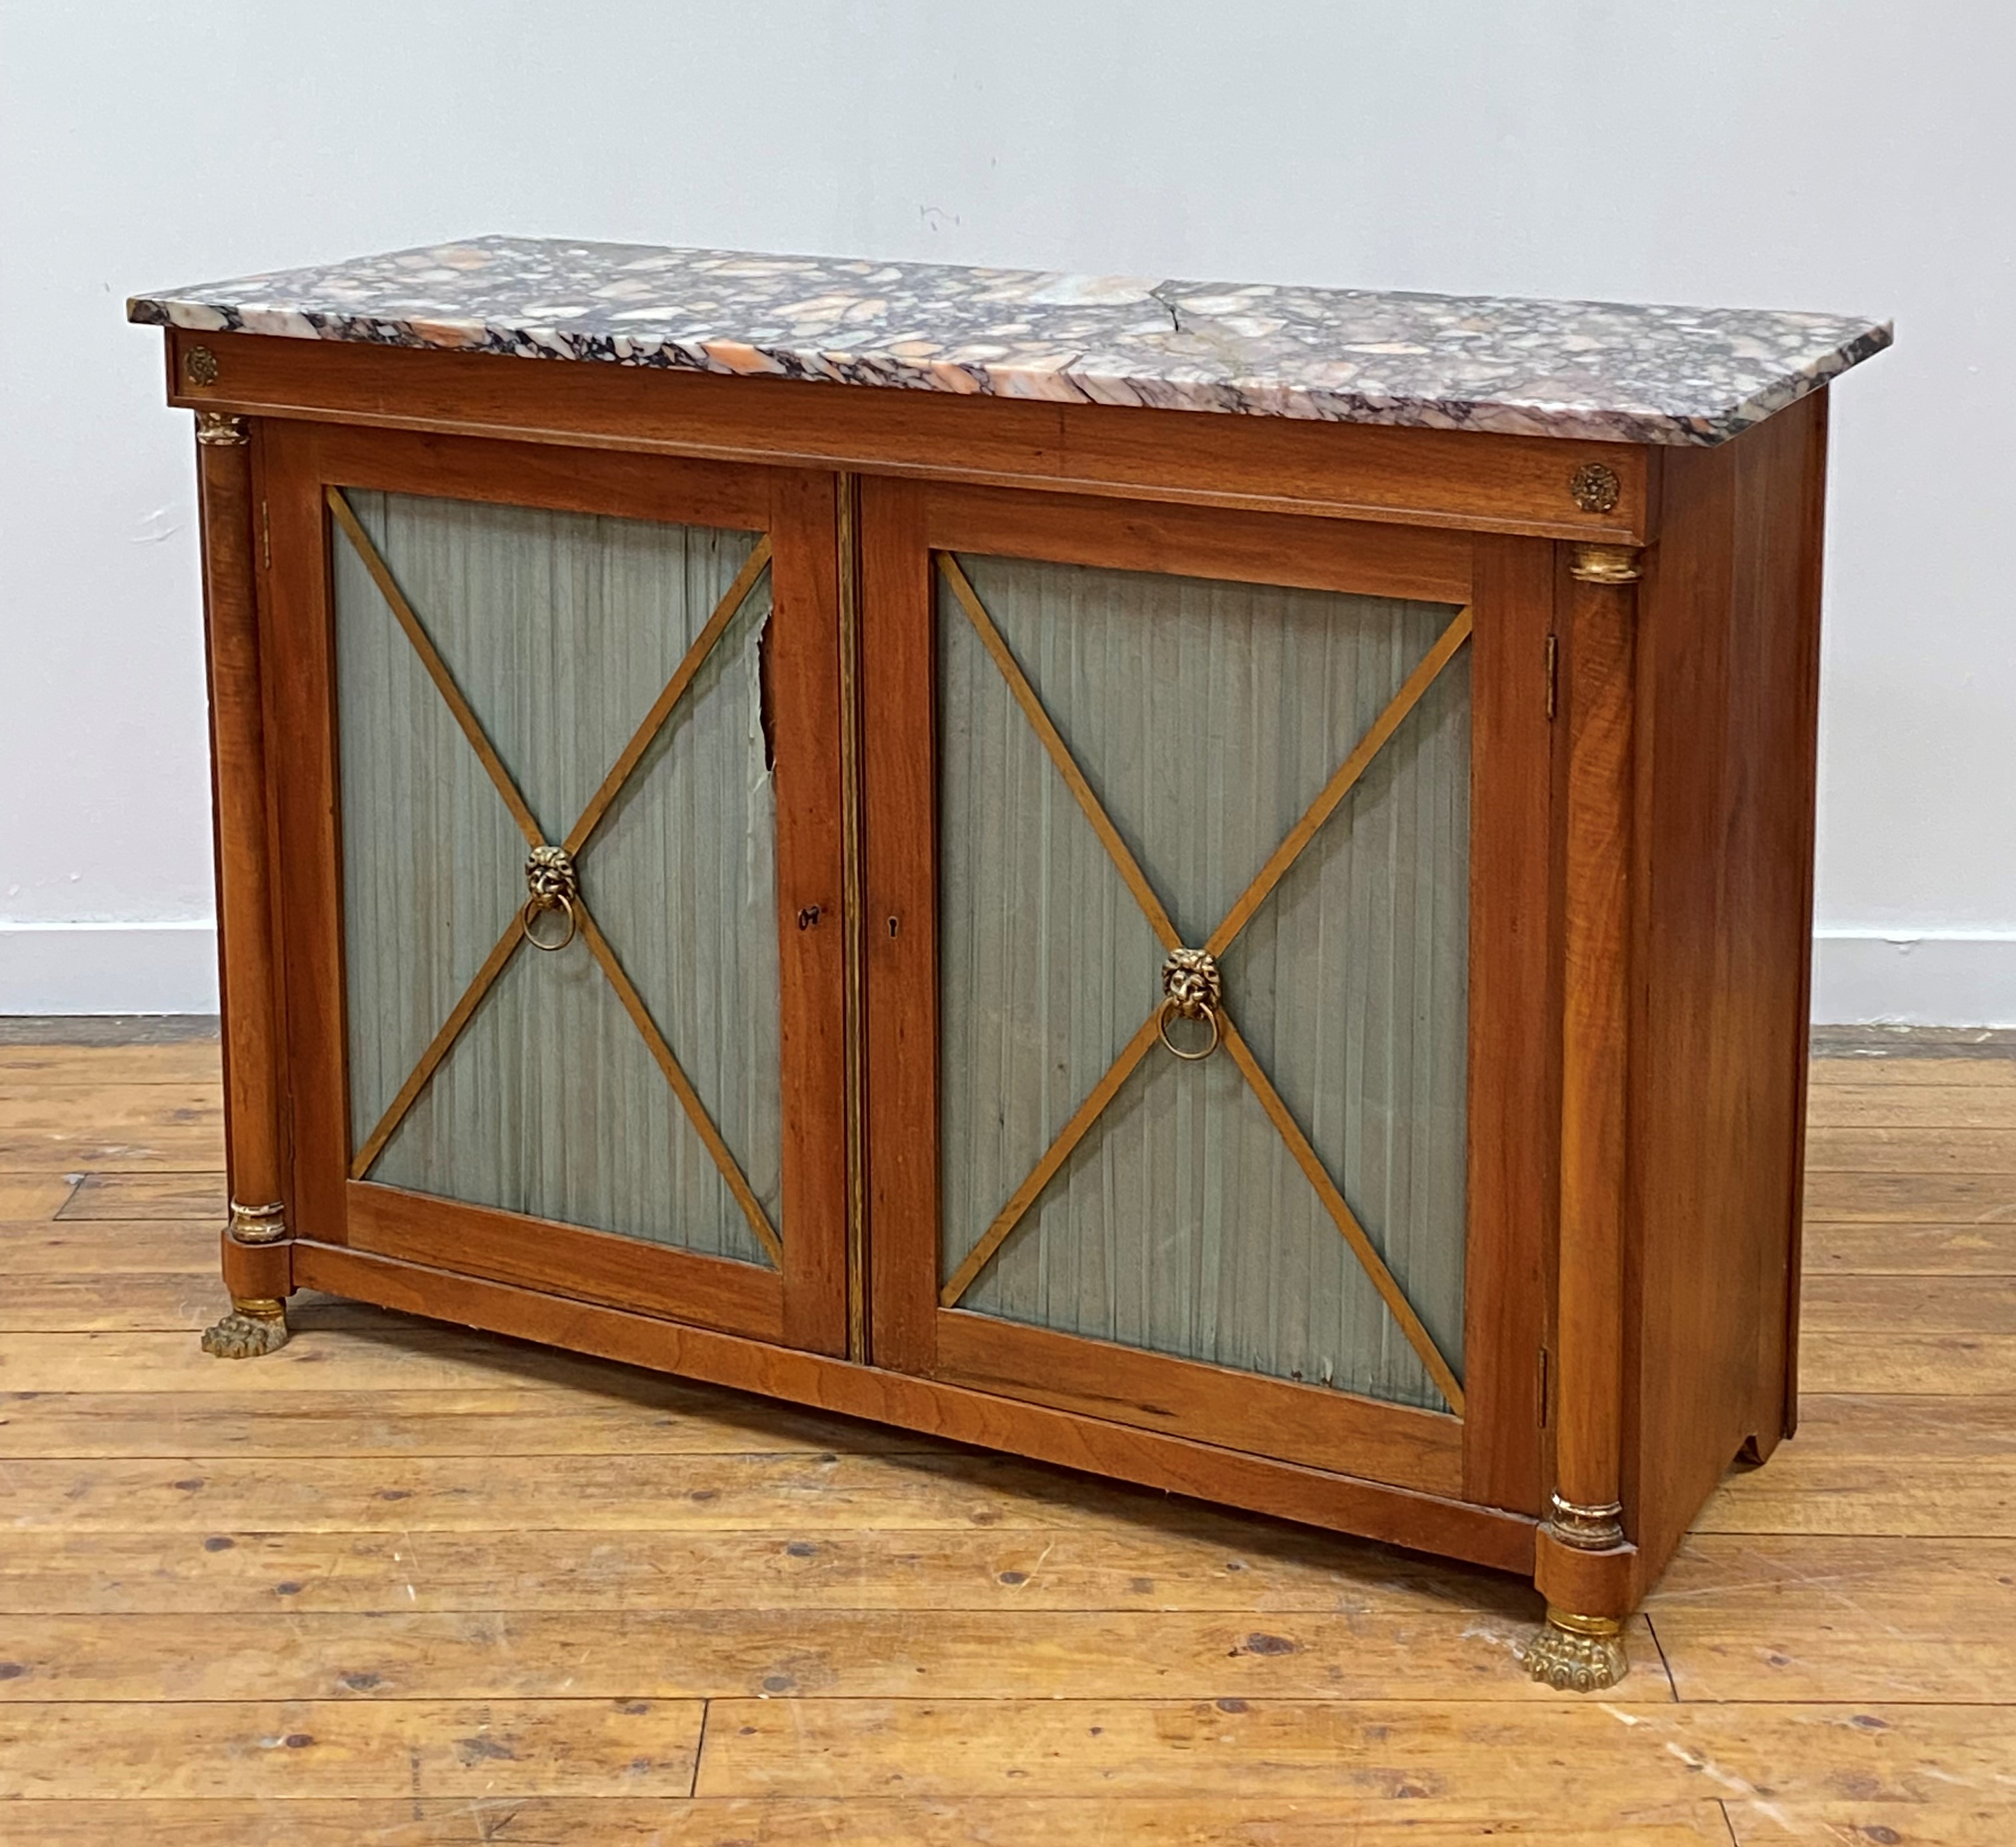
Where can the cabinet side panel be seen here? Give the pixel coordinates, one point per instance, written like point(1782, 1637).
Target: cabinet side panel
point(1727, 705)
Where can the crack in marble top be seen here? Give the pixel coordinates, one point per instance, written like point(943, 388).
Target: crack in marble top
point(1612, 371)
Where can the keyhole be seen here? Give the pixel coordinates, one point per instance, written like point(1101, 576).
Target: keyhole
point(892, 926)
point(809, 916)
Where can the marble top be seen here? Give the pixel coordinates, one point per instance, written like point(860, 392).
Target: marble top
point(1581, 369)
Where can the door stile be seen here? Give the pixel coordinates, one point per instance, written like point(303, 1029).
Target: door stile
point(899, 762)
point(1514, 975)
point(812, 918)
point(847, 548)
point(311, 826)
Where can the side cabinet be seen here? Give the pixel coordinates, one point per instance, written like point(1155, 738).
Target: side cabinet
point(1261, 957)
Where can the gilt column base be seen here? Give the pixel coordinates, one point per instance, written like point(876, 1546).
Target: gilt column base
point(1577, 1653)
point(256, 1325)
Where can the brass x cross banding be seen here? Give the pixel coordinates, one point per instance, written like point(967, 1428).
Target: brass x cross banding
point(516, 932)
point(1236, 919)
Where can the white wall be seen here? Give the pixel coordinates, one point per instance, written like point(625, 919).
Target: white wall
point(1828, 154)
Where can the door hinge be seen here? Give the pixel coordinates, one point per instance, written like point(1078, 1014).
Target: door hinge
point(1553, 672)
point(266, 543)
point(1546, 1384)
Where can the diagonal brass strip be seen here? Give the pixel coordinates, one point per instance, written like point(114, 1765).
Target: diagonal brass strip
point(417, 1080)
point(438, 670)
point(640, 1016)
point(1054, 1157)
point(662, 708)
point(1025, 697)
point(1340, 784)
point(1374, 1266)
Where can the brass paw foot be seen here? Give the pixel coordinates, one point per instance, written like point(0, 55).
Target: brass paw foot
point(252, 1327)
point(1581, 1654)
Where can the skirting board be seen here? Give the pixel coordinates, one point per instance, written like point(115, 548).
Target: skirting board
point(1858, 977)
point(1864, 978)
point(108, 968)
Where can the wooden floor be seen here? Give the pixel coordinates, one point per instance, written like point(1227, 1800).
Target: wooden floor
point(401, 1584)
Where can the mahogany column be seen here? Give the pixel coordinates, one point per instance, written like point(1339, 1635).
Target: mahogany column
point(1582, 1564)
point(257, 1271)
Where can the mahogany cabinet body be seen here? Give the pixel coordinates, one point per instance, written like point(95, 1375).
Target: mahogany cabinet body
point(1640, 746)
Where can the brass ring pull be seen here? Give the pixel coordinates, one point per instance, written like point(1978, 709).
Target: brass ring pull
point(1170, 1011)
point(534, 908)
point(1191, 989)
point(550, 878)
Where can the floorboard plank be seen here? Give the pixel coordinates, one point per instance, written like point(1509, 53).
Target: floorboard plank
point(1908, 1305)
point(1770, 1617)
point(1968, 1152)
point(1950, 1105)
point(186, 1301)
point(1566, 1752)
point(1140, 1568)
point(1870, 1824)
point(1883, 1428)
point(192, 1195)
point(379, 1493)
point(1812, 1491)
point(1450, 1655)
point(34, 1195)
point(1218, 1821)
point(1834, 1249)
point(112, 1128)
point(192, 1061)
point(377, 1352)
point(657, 1416)
point(462, 1750)
point(1976, 1073)
point(1865, 1197)
point(1936, 1365)
point(55, 1248)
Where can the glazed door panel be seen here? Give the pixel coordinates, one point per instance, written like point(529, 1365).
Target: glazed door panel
point(578, 771)
point(1202, 1009)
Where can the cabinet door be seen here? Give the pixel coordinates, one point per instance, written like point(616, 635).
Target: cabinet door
point(562, 859)
point(1172, 1086)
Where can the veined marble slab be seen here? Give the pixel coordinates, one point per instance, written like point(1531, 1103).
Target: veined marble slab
point(1583, 368)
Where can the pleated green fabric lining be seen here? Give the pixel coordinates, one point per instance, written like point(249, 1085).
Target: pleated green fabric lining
point(1207, 715)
